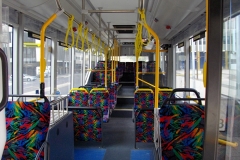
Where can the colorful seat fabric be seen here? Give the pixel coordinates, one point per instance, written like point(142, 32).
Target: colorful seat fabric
point(99, 76)
point(87, 125)
point(100, 99)
point(78, 98)
point(144, 119)
point(112, 96)
point(87, 122)
point(162, 95)
point(182, 131)
point(27, 125)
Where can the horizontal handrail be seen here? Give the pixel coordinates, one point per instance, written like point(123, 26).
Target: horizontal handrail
point(99, 89)
point(144, 89)
point(78, 89)
point(165, 89)
point(227, 143)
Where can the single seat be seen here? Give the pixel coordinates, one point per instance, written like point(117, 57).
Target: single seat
point(27, 125)
point(181, 126)
point(182, 131)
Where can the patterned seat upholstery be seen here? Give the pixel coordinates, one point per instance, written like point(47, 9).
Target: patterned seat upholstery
point(27, 125)
point(100, 99)
point(182, 131)
point(87, 125)
point(78, 98)
point(144, 119)
point(87, 122)
point(162, 95)
point(112, 96)
point(99, 76)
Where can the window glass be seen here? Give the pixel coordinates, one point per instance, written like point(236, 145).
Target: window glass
point(31, 64)
point(180, 68)
point(78, 61)
point(8, 48)
point(93, 60)
point(230, 90)
point(63, 70)
point(197, 59)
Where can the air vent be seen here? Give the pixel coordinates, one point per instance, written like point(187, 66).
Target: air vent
point(128, 43)
point(129, 29)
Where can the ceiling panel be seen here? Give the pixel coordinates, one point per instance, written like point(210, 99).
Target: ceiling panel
point(115, 4)
point(175, 13)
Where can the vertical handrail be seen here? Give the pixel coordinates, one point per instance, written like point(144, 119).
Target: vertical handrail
point(156, 63)
point(105, 53)
point(114, 58)
point(112, 73)
point(205, 63)
point(42, 60)
point(4, 68)
point(137, 67)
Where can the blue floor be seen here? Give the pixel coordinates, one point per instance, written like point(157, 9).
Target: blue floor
point(141, 155)
point(89, 154)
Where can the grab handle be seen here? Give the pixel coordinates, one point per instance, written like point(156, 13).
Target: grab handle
point(187, 90)
point(4, 68)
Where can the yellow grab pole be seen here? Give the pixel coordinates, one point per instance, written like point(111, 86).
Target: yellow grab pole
point(137, 66)
point(42, 60)
point(146, 82)
point(156, 64)
point(114, 55)
point(112, 74)
point(205, 63)
point(106, 51)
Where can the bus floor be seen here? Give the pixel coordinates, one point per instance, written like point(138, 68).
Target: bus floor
point(118, 142)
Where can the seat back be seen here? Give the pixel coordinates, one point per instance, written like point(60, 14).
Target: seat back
point(182, 131)
point(144, 118)
point(162, 95)
point(86, 121)
point(78, 97)
point(99, 98)
point(87, 125)
point(27, 125)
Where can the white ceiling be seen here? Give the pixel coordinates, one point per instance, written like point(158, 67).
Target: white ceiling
point(176, 13)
